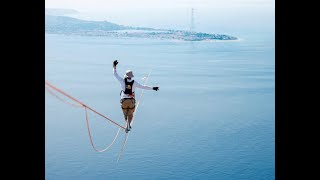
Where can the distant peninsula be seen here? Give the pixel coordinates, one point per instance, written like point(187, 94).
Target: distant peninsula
point(68, 25)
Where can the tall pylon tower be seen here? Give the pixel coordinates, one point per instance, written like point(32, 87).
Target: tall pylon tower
point(192, 20)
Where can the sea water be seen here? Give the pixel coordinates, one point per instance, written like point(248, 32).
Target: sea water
point(213, 117)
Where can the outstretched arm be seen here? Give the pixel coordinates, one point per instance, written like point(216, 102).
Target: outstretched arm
point(138, 85)
point(116, 75)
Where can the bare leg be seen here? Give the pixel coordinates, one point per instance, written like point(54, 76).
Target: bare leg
point(126, 118)
point(130, 119)
point(125, 114)
point(130, 116)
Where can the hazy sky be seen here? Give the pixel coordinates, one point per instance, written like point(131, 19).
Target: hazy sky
point(100, 5)
point(220, 15)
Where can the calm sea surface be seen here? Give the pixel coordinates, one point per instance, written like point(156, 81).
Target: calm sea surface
point(213, 117)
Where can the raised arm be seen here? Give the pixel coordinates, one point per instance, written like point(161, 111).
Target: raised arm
point(116, 75)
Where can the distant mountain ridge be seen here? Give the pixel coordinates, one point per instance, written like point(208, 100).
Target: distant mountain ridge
point(72, 25)
point(69, 25)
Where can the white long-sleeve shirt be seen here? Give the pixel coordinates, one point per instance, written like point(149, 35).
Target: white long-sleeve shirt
point(123, 85)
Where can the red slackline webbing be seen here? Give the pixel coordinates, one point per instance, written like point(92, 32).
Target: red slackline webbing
point(91, 141)
point(60, 91)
